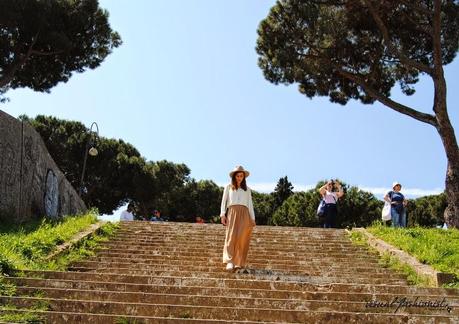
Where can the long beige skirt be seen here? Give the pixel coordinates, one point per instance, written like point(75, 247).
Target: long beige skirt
point(238, 232)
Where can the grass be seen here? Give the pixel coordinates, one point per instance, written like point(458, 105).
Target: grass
point(27, 247)
point(391, 262)
point(435, 247)
point(12, 314)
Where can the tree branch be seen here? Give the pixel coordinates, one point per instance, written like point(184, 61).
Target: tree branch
point(41, 53)
point(416, 7)
point(423, 117)
point(437, 57)
point(9, 75)
point(375, 94)
point(396, 52)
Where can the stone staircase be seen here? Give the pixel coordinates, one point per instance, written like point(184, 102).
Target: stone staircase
point(172, 273)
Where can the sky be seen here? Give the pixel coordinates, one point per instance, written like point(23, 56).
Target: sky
point(185, 87)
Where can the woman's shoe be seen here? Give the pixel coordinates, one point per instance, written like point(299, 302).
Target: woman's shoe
point(229, 266)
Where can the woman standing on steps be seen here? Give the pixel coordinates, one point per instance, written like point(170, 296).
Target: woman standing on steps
point(239, 218)
point(331, 192)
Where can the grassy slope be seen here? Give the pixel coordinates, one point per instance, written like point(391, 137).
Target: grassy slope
point(26, 247)
point(436, 247)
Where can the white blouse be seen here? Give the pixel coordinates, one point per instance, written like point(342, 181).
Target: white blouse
point(237, 197)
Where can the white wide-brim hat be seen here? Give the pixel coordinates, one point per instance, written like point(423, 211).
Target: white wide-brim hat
point(239, 169)
point(396, 183)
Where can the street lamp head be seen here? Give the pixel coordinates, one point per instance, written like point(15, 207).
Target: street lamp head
point(93, 151)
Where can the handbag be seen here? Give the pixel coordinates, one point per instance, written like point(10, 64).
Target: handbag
point(321, 208)
point(385, 214)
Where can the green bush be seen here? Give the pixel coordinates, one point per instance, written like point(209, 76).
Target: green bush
point(426, 211)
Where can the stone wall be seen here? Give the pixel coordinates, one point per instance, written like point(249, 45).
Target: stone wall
point(31, 184)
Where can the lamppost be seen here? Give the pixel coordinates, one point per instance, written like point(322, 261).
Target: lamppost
point(90, 148)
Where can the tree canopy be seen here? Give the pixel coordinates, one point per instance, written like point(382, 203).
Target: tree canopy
point(116, 175)
point(360, 49)
point(354, 49)
point(283, 190)
point(43, 43)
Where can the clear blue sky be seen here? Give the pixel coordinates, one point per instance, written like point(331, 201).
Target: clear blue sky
point(185, 86)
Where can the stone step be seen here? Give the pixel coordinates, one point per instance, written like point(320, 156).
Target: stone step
point(83, 318)
point(283, 282)
point(254, 249)
point(257, 263)
point(162, 268)
point(216, 275)
point(175, 227)
point(356, 292)
point(217, 252)
point(162, 251)
point(154, 256)
point(260, 238)
point(237, 302)
point(218, 266)
point(345, 242)
point(301, 314)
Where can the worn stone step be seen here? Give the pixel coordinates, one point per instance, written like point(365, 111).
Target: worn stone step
point(300, 264)
point(283, 282)
point(314, 317)
point(220, 238)
point(217, 252)
point(83, 318)
point(242, 302)
point(218, 267)
point(247, 273)
point(161, 269)
point(217, 248)
point(302, 314)
point(209, 241)
point(169, 253)
point(355, 292)
point(149, 295)
point(330, 277)
point(264, 300)
point(252, 256)
point(175, 227)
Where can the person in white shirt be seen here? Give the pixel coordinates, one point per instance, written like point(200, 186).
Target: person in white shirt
point(126, 215)
point(238, 216)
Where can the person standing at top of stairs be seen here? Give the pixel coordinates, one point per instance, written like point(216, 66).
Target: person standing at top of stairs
point(331, 192)
point(238, 216)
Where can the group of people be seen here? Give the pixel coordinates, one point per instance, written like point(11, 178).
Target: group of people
point(238, 216)
point(237, 213)
point(128, 215)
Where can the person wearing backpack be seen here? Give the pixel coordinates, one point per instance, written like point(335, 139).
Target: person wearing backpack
point(398, 205)
point(331, 192)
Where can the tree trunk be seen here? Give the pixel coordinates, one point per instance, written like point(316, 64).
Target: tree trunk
point(446, 131)
point(452, 194)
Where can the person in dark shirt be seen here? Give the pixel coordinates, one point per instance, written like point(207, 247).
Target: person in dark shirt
point(398, 205)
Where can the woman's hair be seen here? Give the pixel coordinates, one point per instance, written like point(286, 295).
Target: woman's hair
point(234, 182)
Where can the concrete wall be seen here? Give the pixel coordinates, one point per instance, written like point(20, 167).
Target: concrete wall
point(31, 184)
